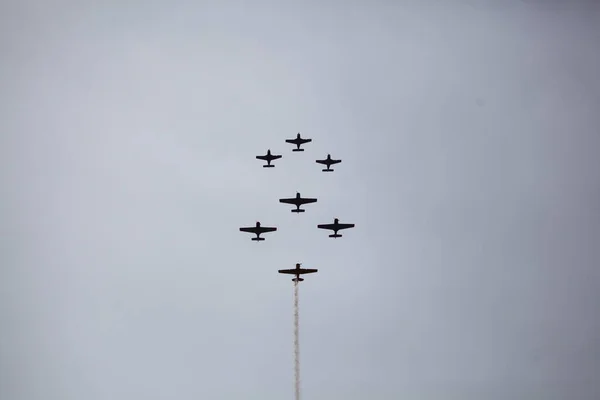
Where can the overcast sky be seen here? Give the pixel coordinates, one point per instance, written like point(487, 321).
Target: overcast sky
point(469, 134)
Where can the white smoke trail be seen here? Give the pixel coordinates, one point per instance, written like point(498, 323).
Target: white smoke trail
point(296, 343)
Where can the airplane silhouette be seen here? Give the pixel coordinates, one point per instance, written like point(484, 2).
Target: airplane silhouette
point(298, 141)
point(335, 227)
point(258, 229)
point(297, 271)
point(298, 201)
point(328, 162)
point(268, 158)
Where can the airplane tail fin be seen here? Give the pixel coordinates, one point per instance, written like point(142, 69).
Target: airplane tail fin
point(258, 239)
point(335, 235)
point(297, 149)
point(268, 166)
point(297, 279)
point(299, 210)
point(327, 170)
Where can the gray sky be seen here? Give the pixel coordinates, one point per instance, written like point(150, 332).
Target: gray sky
point(469, 138)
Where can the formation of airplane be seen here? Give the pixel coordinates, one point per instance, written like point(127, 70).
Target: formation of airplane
point(298, 141)
point(335, 227)
point(268, 158)
point(257, 230)
point(297, 271)
point(328, 162)
point(298, 201)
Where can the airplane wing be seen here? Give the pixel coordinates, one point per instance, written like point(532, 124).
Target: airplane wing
point(345, 226)
point(290, 141)
point(306, 201)
point(293, 200)
point(250, 229)
point(324, 162)
point(296, 271)
point(264, 229)
point(335, 161)
point(262, 157)
point(307, 271)
point(306, 140)
point(327, 226)
point(288, 271)
point(276, 157)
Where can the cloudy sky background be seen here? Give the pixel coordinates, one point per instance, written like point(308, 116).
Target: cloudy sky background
point(469, 138)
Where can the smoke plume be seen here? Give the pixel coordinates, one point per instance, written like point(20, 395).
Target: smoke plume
point(296, 344)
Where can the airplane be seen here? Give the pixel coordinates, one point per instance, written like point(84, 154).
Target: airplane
point(328, 162)
point(297, 271)
point(335, 227)
point(258, 230)
point(298, 201)
point(268, 158)
point(298, 141)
